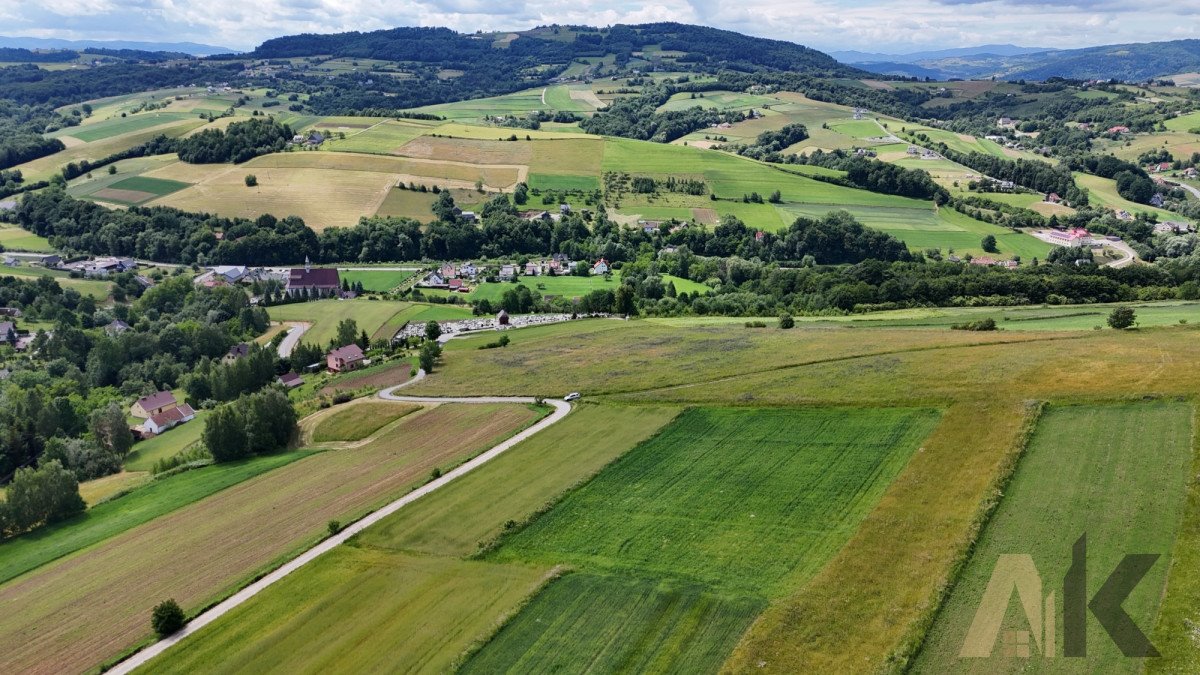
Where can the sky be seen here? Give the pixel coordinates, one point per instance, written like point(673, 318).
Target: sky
point(890, 26)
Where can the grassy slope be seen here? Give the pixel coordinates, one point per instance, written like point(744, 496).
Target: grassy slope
point(1115, 472)
point(171, 443)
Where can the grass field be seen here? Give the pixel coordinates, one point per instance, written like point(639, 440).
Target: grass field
point(17, 239)
point(419, 313)
point(409, 614)
point(408, 204)
point(1103, 192)
point(137, 190)
point(357, 422)
point(377, 280)
point(99, 290)
point(171, 443)
point(225, 540)
point(592, 624)
point(44, 167)
point(1114, 472)
point(325, 315)
point(383, 137)
point(744, 500)
point(157, 498)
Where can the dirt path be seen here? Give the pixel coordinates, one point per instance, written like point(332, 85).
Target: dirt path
point(561, 409)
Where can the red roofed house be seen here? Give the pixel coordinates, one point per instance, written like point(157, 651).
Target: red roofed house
point(983, 260)
point(1119, 129)
point(149, 406)
point(343, 359)
point(1073, 237)
point(601, 267)
point(1159, 168)
point(456, 285)
point(316, 282)
point(1053, 198)
point(169, 418)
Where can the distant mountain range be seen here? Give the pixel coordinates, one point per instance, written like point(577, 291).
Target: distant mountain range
point(1138, 61)
point(192, 48)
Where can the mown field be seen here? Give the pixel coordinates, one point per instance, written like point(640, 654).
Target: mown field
point(1115, 473)
point(325, 315)
point(377, 280)
point(17, 239)
point(356, 422)
point(78, 612)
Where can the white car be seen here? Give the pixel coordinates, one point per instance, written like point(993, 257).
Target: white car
point(573, 396)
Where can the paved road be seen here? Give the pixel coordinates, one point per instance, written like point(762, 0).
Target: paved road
point(295, 332)
point(561, 409)
point(1189, 188)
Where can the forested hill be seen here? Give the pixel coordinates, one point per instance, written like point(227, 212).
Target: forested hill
point(1128, 62)
point(707, 48)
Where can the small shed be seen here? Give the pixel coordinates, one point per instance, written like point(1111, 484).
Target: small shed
point(502, 318)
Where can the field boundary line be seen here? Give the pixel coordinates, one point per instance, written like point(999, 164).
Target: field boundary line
point(561, 410)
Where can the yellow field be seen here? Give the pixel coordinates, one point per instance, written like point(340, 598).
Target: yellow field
point(44, 167)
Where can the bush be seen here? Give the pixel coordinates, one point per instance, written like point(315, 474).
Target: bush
point(334, 527)
point(756, 324)
point(251, 180)
point(1121, 318)
point(982, 325)
point(786, 321)
point(167, 618)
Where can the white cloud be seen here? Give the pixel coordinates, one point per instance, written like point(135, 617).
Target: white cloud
point(874, 25)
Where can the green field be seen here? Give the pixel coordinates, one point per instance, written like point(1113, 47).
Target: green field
point(17, 239)
point(595, 624)
point(326, 314)
point(377, 280)
point(122, 125)
point(419, 313)
point(1103, 192)
point(1115, 472)
point(382, 137)
point(165, 445)
point(415, 614)
point(745, 500)
point(144, 504)
point(357, 422)
point(137, 190)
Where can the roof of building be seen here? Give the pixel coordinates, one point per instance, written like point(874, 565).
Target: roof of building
point(156, 400)
point(239, 350)
point(173, 415)
point(291, 379)
point(321, 277)
point(350, 352)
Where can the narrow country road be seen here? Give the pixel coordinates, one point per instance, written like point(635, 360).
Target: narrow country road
point(296, 330)
point(561, 410)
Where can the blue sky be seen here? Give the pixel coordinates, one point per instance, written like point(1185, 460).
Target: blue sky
point(867, 25)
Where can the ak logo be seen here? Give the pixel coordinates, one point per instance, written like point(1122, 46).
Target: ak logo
point(1017, 572)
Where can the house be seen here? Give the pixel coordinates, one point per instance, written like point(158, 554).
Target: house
point(532, 269)
point(321, 282)
point(344, 359)
point(116, 327)
point(1159, 168)
point(148, 406)
point(468, 216)
point(913, 150)
point(508, 272)
point(502, 318)
point(468, 270)
point(236, 352)
point(316, 139)
point(983, 260)
point(457, 285)
point(759, 236)
point(448, 271)
point(1076, 236)
point(1157, 200)
point(930, 154)
point(434, 280)
point(11, 261)
point(1007, 185)
point(1170, 227)
point(649, 226)
point(601, 267)
point(534, 215)
point(1119, 129)
point(1190, 172)
point(1005, 122)
point(230, 273)
point(10, 311)
point(1053, 198)
point(1122, 214)
point(8, 332)
point(290, 380)
point(49, 260)
point(169, 418)
point(995, 139)
point(560, 258)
